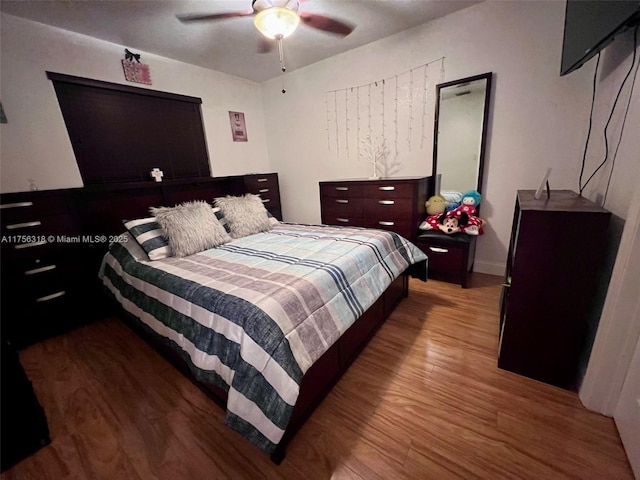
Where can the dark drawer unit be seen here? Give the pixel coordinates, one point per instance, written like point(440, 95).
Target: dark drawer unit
point(47, 275)
point(395, 204)
point(549, 282)
point(450, 256)
point(267, 188)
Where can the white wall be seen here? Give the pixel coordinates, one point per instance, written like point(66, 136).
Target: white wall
point(35, 143)
point(538, 120)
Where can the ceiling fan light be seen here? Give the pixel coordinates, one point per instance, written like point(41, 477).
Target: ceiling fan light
point(276, 22)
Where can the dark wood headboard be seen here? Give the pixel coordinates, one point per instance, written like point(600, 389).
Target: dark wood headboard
point(102, 209)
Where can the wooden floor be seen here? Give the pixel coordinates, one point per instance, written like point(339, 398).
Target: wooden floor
point(424, 400)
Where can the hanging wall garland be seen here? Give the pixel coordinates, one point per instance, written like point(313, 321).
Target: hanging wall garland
point(367, 105)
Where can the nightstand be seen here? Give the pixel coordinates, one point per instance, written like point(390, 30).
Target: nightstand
point(450, 256)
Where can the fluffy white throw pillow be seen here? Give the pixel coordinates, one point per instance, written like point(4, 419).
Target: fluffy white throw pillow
point(190, 227)
point(245, 215)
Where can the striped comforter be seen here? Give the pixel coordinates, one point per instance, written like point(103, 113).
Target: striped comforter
point(253, 315)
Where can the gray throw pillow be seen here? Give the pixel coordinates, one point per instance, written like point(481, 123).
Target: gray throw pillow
point(190, 227)
point(245, 215)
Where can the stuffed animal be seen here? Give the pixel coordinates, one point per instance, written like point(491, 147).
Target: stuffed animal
point(454, 221)
point(452, 224)
point(436, 205)
point(470, 202)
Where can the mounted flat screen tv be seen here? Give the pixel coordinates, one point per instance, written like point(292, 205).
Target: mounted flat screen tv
point(589, 26)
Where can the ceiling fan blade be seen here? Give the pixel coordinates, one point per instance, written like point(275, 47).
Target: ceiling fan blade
point(264, 45)
point(212, 16)
point(326, 24)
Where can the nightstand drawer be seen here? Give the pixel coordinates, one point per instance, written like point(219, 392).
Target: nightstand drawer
point(257, 183)
point(269, 197)
point(444, 259)
point(19, 208)
point(39, 237)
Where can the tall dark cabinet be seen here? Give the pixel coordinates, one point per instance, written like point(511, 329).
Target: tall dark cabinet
point(555, 256)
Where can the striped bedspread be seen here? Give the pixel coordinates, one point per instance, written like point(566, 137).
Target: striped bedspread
point(253, 315)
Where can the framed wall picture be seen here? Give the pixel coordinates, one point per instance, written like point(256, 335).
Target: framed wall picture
point(238, 127)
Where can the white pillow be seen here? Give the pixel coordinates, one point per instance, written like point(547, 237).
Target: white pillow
point(190, 227)
point(245, 215)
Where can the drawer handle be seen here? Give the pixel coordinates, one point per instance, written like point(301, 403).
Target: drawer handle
point(439, 250)
point(340, 200)
point(342, 189)
point(29, 245)
point(13, 226)
point(263, 190)
point(387, 189)
point(265, 200)
point(14, 205)
point(39, 270)
point(386, 224)
point(386, 202)
point(263, 180)
point(343, 220)
point(46, 298)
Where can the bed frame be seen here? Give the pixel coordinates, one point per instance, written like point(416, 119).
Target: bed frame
point(102, 209)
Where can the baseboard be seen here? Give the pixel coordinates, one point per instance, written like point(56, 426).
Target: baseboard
point(490, 268)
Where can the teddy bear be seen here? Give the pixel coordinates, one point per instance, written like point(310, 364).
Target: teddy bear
point(435, 205)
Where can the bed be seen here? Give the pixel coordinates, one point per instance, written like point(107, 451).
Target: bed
point(267, 322)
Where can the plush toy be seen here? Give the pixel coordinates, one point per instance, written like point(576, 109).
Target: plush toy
point(452, 224)
point(460, 220)
point(470, 202)
point(436, 205)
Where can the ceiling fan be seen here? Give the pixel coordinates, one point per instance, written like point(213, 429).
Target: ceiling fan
point(277, 19)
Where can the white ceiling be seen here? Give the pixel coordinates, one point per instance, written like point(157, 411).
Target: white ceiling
point(229, 45)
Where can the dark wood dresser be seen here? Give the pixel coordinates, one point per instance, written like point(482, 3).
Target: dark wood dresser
point(47, 269)
point(396, 204)
point(555, 256)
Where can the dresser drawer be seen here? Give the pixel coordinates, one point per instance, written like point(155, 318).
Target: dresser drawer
point(345, 221)
point(31, 283)
point(35, 321)
point(59, 224)
point(23, 208)
point(270, 199)
point(343, 207)
point(341, 190)
point(39, 237)
point(256, 183)
point(389, 191)
point(401, 227)
point(378, 209)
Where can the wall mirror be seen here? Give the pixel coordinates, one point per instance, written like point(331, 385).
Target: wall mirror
point(461, 113)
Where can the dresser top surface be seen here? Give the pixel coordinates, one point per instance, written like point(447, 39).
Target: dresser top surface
point(558, 201)
point(380, 179)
